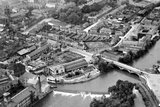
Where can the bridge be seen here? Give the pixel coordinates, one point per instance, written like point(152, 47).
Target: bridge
point(126, 67)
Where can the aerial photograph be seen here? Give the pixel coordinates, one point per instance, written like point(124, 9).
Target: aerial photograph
point(79, 53)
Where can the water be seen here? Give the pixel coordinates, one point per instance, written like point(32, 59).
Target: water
point(150, 58)
point(102, 83)
point(63, 100)
point(99, 84)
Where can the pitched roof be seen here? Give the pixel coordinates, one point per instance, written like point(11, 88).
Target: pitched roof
point(38, 50)
point(27, 75)
point(75, 64)
point(21, 95)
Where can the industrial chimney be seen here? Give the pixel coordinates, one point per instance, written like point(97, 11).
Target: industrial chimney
point(39, 84)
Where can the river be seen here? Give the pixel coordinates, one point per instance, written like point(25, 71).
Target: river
point(99, 84)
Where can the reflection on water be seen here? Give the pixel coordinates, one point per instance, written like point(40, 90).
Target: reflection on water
point(150, 58)
point(61, 99)
point(81, 99)
point(99, 84)
point(102, 83)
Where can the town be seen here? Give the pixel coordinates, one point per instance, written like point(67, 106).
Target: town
point(45, 44)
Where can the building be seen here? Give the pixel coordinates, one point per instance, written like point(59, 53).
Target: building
point(25, 77)
point(75, 65)
point(59, 69)
point(5, 81)
point(35, 54)
point(21, 99)
point(25, 51)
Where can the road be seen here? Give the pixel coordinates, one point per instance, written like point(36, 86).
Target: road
point(151, 99)
point(88, 28)
point(129, 33)
point(100, 20)
point(89, 3)
point(34, 26)
point(87, 55)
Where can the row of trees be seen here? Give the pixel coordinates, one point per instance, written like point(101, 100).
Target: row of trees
point(95, 7)
point(70, 14)
point(105, 67)
point(77, 2)
point(121, 96)
point(130, 56)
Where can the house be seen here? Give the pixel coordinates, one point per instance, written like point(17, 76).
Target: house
point(13, 59)
point(59, 69)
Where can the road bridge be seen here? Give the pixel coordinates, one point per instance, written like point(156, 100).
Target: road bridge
point(88, 56)
point(126, 67)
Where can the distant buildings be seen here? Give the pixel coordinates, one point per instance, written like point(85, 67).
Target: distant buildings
point(5, 81)
point(35, 54)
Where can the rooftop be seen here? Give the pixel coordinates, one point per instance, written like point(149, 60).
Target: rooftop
point(38, 50)
point(21, 95)
point(75, 64)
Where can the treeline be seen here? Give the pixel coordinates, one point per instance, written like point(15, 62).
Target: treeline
point(69, 14)
point(121, 96)
point(130, 56)
point(95, 7)
point(105, 67)
point(77, 2)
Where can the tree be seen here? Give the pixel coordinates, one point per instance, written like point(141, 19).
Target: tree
point(95, 7)
point(19, 69)
point(71, 15)
point(80, 2)
point(29, 13)
point(74, 18)
point(102, 66)
point(86, 9)
point(63, 17)
point(121, 96)
point(77, 2)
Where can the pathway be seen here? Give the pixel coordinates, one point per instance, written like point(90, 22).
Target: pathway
point(34, 26)
point(129, 33)
point(100, 20)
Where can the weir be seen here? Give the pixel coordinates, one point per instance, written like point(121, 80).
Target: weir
point(82, 94)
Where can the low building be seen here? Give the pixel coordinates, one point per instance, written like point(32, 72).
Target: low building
point(75, 65)
point(21, 99)
point(25, 77)
point(35, 54)
point(25, 51)
point(5, 81)
point(59, 69)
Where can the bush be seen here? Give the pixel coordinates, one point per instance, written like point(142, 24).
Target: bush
point(122, 96)
point(77, 73)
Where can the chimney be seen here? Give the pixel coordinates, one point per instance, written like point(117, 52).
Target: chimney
point(39, 84)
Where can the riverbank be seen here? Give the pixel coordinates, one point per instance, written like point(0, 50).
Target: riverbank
point(84, 78)
point(130, 57)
